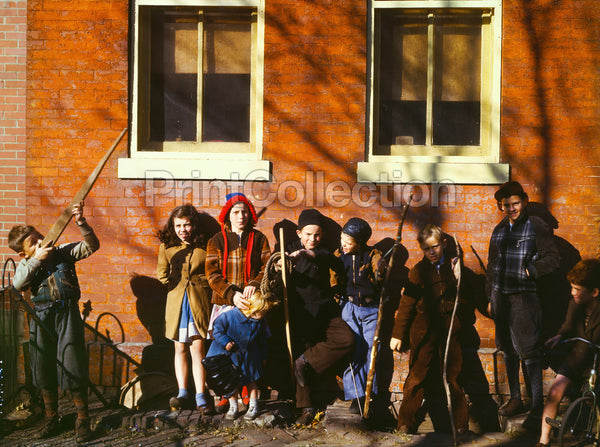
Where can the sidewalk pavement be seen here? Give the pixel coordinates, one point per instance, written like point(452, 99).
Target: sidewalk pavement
point(274, 427)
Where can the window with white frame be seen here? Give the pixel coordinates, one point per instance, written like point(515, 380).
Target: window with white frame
point(197, 89)
point(435, 92)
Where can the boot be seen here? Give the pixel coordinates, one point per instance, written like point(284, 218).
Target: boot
point(83, 432)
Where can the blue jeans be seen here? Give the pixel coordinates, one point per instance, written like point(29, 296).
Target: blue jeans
point(362, 321)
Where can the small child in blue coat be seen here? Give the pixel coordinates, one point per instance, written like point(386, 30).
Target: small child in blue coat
point(243, 336)
point(364, 268)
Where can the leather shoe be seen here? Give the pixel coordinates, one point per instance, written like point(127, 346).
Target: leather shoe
point(207, 409)
point(405, 429)
point(512, 407)
point(306, 416)
point(50, 429)
point(179, 403)
point(83, 433)
point(222, 406)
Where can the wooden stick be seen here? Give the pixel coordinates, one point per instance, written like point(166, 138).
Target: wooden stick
point(286, 309)
point(382, 299)
point(64, 219)
point(457, 274)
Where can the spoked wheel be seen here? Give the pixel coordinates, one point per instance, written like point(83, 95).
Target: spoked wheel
point(579, 425)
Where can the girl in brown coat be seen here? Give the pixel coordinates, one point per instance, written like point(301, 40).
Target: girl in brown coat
point(181, 268)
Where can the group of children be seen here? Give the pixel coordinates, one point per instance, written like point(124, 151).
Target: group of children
point(214, 294)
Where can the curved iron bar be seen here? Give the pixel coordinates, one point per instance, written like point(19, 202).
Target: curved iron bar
point(6, 280)
point(9, 342)
point(107, 337)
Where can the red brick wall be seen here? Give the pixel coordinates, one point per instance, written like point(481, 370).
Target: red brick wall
point(314, 131)
point(13, 28)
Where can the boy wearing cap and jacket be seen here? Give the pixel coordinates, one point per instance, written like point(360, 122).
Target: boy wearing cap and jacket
point(364, 271)
point(322, 341)
point(521, 251)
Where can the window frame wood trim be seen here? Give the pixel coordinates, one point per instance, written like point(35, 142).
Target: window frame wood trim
point(490, 136)
point(252, 150)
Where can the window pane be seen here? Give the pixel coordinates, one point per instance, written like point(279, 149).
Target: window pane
point(226, 81)
point(173, 78)
point(457, 84)
point(403, 80)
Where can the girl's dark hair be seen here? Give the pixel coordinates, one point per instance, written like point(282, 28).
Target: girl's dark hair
point(168, 236)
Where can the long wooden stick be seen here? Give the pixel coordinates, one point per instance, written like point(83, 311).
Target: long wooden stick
point(286, 309)
point(382, 299)
point(64, 219)
point(458, 275)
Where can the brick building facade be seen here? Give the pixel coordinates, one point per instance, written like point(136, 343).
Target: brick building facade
point(315, 128)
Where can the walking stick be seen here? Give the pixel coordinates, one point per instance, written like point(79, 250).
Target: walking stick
point(286, 309)
point(383, 297)
point(457, 274)
point(355, 388)
point(64, 219)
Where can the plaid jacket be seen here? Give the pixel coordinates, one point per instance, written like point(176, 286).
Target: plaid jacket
point(225, 287)
point(528, 245)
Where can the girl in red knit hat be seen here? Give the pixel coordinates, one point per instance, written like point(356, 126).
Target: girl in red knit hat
point(236, 258)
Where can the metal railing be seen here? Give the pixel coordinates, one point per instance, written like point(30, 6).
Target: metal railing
point(110, 367)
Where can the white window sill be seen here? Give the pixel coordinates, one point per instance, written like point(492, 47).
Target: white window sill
point(423, 172)
point(194, 169)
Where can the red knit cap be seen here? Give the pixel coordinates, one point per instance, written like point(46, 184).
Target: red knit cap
point(232, 199)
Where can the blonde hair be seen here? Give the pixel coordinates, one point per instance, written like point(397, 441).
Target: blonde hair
point(258, 304)
point(429, 231)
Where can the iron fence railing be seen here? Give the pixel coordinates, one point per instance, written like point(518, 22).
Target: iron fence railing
point(110, 367)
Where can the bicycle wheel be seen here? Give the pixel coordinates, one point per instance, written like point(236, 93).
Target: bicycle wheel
point(579, 424)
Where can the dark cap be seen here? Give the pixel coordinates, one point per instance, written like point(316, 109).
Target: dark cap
point(509, 189)
point(310, 216)
point(358, 229)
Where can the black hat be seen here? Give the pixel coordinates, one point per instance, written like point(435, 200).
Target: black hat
point(310, 216)
point(359, 229)
point(508, 189)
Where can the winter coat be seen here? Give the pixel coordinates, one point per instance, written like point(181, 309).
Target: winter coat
point(181, 268)
point(225, 287)
point(311, 300)
point(250, 337)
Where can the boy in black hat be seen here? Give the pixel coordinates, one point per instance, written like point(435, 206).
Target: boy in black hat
point(521, 251)
point(365, 268)
point(321, 339)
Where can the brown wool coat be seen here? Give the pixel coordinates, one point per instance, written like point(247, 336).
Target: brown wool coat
point(423, 320)
point(181, 268)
